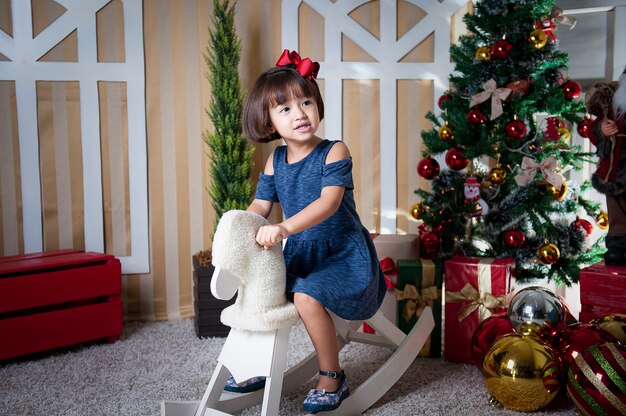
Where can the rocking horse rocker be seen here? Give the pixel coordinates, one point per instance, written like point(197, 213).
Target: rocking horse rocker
point(260, 321)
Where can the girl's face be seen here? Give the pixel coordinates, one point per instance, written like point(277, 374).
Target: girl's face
point(296, 119)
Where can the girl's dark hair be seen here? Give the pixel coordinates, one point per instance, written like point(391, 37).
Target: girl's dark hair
point(274, 87)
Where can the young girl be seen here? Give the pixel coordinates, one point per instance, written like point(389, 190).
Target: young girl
point(330, 257)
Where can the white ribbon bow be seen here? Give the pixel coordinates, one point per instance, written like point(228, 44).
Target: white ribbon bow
point(548, 170)
point(496, 94)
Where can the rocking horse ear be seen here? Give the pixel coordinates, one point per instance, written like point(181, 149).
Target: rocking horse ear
point(224, 284)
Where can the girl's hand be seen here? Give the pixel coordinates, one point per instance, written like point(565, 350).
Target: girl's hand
point(608, 127)
point(270, 235)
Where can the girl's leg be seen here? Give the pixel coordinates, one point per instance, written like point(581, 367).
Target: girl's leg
point(321, 329)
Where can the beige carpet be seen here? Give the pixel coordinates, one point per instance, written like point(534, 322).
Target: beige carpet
point(165, 360)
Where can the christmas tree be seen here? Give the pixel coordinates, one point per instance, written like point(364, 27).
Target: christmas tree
point(504, 132)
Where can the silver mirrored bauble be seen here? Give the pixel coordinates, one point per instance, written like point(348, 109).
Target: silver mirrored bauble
point(535, 310)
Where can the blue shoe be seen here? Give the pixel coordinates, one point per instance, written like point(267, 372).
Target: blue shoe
point(322, 400)
point(246, 386)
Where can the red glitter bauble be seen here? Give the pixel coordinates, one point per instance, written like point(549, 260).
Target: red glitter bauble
point(584, 127)
point(489, 331)
point(514, 238)
point(428, 168)
point(455, 159)
point(515, 130)
point(430, 242)
point(572, 340)
point(571, 90)
point(501, 49)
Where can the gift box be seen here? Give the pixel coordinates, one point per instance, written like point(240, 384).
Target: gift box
point(419, 285)
point(389, 249)
point(474, 289)
point(602, 291)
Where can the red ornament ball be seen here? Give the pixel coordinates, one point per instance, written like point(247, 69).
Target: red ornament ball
point(455, 159)
point(489, 331)
point(596, 378)
point(572, 340)
point(584, 127)
point(514, 238)
point(475, 116)
point(515, 130)
point(571, 90)
point(582, 225)
point(428, 168)
point(501, 49)
point(441, 102)
point(430, 242)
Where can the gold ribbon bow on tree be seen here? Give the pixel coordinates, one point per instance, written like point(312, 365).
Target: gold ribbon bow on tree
point(548, 166)
point(496, 94)
point(559, 17)
point(416, 302)
point(485, 302)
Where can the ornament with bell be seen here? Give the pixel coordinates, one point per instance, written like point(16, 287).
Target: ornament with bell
point(538, 38)
point(548, 253)
point(417, 210)
point(596, 380)
point(497, 175)
point(558, 193)
point(476, 117)
point(515, 129)
point(445, 133)
point(501, 49)
point(602, 220)
point(571, 90)
point(584, 127)
point(483, 53)
point(536, 310)
point(455, 159)
point(522, 372)
point(428, 168)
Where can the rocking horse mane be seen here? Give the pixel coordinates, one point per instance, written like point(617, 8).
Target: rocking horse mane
point(261, 303)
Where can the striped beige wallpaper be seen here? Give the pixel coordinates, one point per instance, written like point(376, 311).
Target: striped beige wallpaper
point(177, 93)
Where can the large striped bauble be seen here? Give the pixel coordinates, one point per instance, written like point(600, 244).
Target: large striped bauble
point(596, 380)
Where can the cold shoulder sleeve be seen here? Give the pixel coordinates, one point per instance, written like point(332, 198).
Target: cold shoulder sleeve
point(338, 173)
point(266, 189)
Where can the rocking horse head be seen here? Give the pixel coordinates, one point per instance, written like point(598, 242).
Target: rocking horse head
point(259, 275)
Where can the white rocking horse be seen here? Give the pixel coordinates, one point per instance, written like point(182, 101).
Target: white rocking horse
point(260, 321)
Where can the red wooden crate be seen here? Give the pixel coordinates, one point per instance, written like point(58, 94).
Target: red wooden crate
point(57, 299)
point(602, 291)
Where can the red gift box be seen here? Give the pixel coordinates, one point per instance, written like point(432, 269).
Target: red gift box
point(474, 289)
point(602, 291)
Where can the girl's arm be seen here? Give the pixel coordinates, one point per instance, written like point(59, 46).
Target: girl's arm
point(316, 212)
point(261, 206)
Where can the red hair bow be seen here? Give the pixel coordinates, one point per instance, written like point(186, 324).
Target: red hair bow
point(305, 67)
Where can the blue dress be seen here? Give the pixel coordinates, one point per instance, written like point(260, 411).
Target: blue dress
point(335, 261)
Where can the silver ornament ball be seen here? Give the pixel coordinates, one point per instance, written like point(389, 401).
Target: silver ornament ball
point(536, 310)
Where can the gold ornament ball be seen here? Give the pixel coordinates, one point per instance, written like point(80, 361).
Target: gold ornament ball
point(522, 372)
point(564, 134)
point(445, 133)
point(417, 210)
point(497, 175)
point(558, 194)
point(602, 219)
point(615, 324)
point(548, 253)
point(483, 53)
point(538, 38)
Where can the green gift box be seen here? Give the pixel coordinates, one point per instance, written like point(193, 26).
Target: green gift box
point(419, 285)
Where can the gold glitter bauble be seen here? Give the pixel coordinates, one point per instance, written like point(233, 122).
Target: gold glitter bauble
point(522, 372)
point(445, 133)
point(558, 194)
point(417, 210)
point(483, 53)
point(538, 38)
point(497, 175)
point(602, 219)
point(548, 253)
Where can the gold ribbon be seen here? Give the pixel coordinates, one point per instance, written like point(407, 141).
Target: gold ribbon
point(496, 94)
point(416, 302)
point(479, 299)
